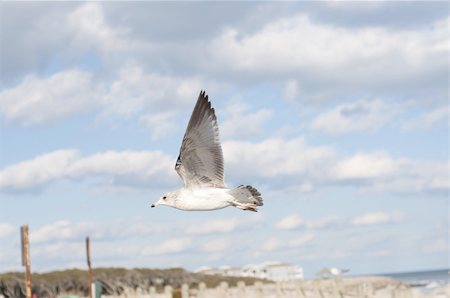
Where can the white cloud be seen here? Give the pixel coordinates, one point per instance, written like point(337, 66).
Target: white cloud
point(291, 89)
point(311, 162)
point(294, 221)
point(148, 92)
point(299, 47)
point(436, 246)
point(275, 157)
point(6, 230)
point(301, 240)
point(33, 173)
point(436, 116)
point(323, 222)
point(359, 116)
point(60, 230)
point(216, 245)
point(213, 226)
point(39, 100)
point(271, 244)
point(242, 121)
point(88, 28)
point(160, 124)
point(290, 222)
point(380, 253)
point(145, 163)
point(126, 168)
point(65, 231)
point(175, 245)
point(340, 57)
point(363, 166)
point(299, 163)
point(60, 251)
point(152, 98)
point(429, 119)
point(379, 171)
point(375, 218)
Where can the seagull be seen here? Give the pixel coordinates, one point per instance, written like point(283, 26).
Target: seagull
point(200, 166)
point(333, 271)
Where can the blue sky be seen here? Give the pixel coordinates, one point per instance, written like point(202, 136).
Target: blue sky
point(336, 111)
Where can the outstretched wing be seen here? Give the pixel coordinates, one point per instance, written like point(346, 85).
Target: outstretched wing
point(200, 162)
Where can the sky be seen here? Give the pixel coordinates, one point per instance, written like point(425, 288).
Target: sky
point(337, 112)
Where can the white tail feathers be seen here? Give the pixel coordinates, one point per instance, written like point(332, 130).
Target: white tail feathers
point(246, 198)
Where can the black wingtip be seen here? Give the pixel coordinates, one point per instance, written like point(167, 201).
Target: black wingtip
point(203, 94)
point(203, 99)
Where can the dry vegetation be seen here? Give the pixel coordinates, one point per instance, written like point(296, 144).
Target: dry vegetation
point(113, 280)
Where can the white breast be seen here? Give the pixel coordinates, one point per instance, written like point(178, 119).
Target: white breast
point(203, 199)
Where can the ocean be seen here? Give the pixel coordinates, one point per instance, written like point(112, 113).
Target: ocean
point(425, 280)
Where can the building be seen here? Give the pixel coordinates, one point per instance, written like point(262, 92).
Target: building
point(282, 272)
point(270, 271)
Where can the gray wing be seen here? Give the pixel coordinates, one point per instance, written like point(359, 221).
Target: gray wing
point(200, 162)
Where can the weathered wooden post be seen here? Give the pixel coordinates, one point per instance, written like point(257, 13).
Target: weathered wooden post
point(223, 289)
point(279, 289)
point(201, 290)
point(299, 290)
point(184, 291)
point(317, 290)
point(259, 289)
point(88, 258)
point(365, 290)
point(337, 291)
point(402, 293)
point(152, 292)
point(370, 290)
point(26, 258)
point(241, 289)
point(168, 291)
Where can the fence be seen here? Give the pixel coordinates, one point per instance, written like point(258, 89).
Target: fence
point(308, 289)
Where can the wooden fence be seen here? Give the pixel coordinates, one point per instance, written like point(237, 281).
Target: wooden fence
point(315, 289)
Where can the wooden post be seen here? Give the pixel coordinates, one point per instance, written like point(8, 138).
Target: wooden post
point(317, 289)
point(88, 257)
point(337, 291)
point(26, 258)
point(279, 290)
point(402, 292)
point(223, 289)
point(184, 291)
point(152, 292)
point(259, 289)
point(299, 290)
point(201, 290)
point(241, 289)
point(370, 290)
point(168, 291)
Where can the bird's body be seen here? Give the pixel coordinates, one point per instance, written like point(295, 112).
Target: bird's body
point(200, 166)
point(213, 198)
point(198, 199)
point(332, 272)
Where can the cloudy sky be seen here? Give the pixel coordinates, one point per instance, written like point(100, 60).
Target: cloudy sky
point(336, 111)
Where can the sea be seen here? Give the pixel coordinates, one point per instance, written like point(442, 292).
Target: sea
point(426, 281)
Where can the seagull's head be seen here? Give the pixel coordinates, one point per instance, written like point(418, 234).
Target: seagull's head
point(167, 199)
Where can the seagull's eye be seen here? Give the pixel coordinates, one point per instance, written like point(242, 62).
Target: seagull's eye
point(164, 197)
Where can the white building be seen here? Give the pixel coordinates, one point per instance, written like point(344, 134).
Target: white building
point(282, 272)
point(270, 271)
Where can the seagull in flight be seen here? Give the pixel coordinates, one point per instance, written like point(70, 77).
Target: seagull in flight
point(330, 272)
point(200, 166)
